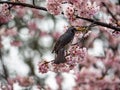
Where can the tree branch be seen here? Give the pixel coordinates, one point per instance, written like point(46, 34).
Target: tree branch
point(100, 23)
point(44, 9)
point(108, 10)
point(24, 5)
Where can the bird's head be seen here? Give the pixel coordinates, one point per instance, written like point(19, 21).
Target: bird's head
point(72, 29)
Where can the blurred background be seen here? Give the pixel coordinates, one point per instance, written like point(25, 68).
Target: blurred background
point(29, 38)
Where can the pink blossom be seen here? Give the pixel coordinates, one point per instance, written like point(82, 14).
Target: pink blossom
point(43, 67)
point(78, 54)
point(76, 22)
point(4, 19)
point(18, 1)
point(25, 81)
point(20, 11)
point(37, 14)
point(71, 8)
point(116, 33)
point(54, 7)
point(11, 32)
point(32, 27)
point(16, 43)
point(62, 67)
point(72, 60)
point(56, 35)
point(43, 33)
point(1, 45)
point(68, 11)
point(11, 81)
point(59, 79)
point(5, 14)
point(5, 7)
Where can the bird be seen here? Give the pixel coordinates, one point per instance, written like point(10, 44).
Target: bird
point(60, 58)
point(64, 39)
point(67, 37)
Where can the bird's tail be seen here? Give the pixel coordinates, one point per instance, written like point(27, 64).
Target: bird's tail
point(52, 51)
point(60, 58)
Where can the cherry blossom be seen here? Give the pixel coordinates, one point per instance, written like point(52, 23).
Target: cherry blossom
point(11, 32)
point(90, 71)
point(54, 7)
point(43, 67)
point(76, 56)
point(71, 8)
point(5, 14)
point(16, 43)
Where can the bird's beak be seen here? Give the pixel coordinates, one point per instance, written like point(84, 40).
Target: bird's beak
point(81, 29)
point(84, 28)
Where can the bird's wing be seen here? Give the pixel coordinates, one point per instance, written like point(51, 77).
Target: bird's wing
point(62, 41)
point(60, 57)
point(57, 46)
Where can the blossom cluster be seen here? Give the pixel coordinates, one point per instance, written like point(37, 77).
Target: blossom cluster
point(5, 14)
point(22, 81)
point(17, 0)
point(91, 73)
point(70, 64)
point(105, 74)
point(73, 8)
point(74, 55)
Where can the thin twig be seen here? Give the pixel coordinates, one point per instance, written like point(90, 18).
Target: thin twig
point(108, 10)
point(3, 66)
point(34, 2)
point(100, 23)
point(24, 5)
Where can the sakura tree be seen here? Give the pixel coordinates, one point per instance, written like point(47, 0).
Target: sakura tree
point(29, 30)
